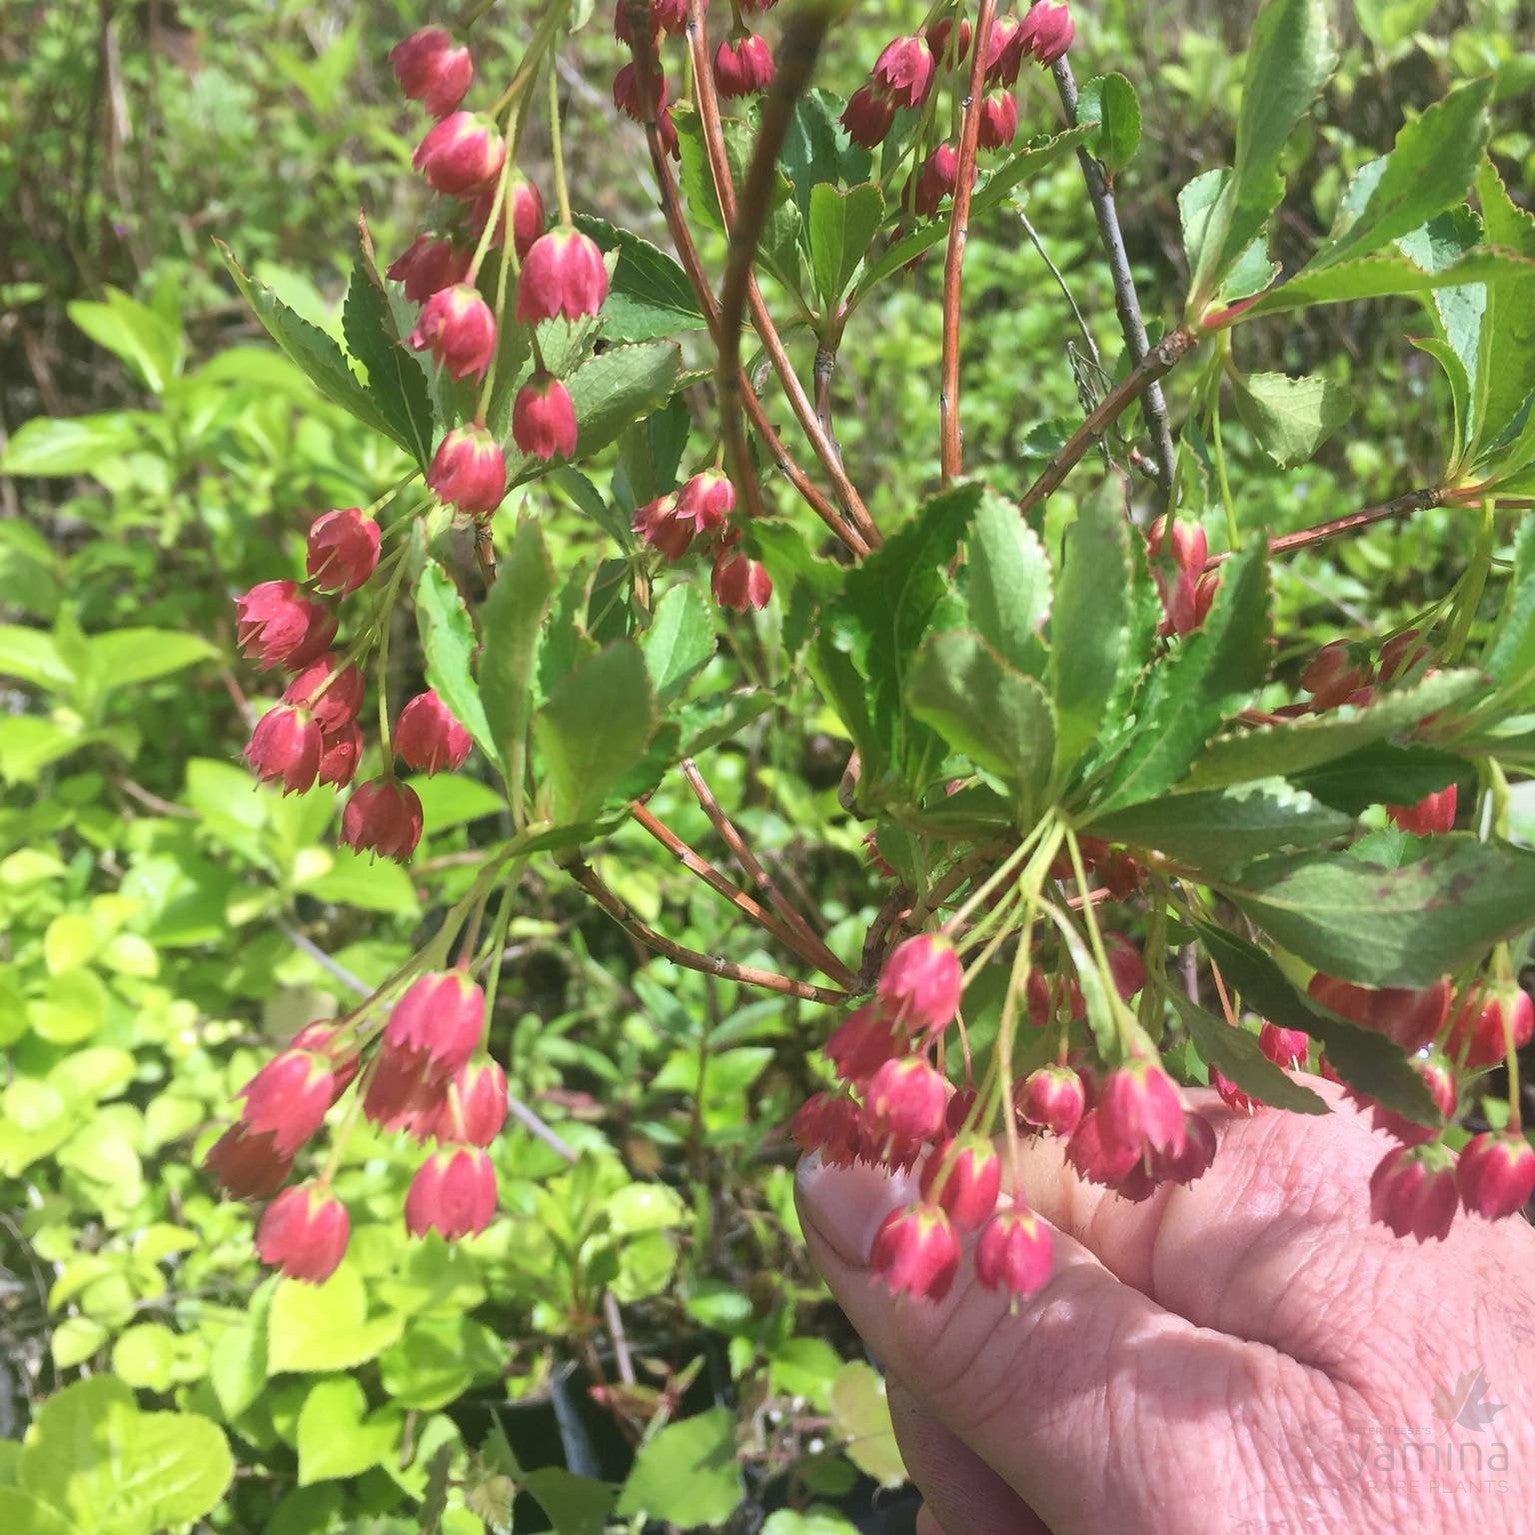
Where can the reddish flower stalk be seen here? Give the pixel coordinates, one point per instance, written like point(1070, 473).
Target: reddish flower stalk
point(951, 451)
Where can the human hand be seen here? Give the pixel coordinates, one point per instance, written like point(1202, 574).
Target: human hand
point(1245, 1354)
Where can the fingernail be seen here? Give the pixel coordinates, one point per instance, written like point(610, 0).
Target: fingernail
point(846, 1205)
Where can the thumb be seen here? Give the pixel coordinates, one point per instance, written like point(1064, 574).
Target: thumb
point(1091, 1402)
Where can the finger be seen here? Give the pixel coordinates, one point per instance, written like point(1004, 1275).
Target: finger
point(962, 1495)
point(1264, 1246)
point(1091, 1402)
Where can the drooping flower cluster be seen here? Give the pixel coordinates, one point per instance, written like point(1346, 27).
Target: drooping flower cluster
point(312, 735)
point(911, 68)
point(695, 519)
point(426, 1076)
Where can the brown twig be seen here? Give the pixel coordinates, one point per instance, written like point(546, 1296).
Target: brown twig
point(950, 435)
point(897, 906)
point(1159, 361)
point(696, 864)
point(691, 959)
point(814, 949)
point(744, 217)
point(1401, 506)
point(1126, 303)
point(692, 266)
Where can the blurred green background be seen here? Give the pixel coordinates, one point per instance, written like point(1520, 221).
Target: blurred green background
point(164, 921)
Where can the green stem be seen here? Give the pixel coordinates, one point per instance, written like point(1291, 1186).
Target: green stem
point(386, 616)
point(1233, 537)
point(1468, 597)
point(561, 191)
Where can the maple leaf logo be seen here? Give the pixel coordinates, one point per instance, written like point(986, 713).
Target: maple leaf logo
point(1467, 1404)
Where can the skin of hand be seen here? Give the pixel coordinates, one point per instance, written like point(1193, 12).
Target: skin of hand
point(1246, 1354)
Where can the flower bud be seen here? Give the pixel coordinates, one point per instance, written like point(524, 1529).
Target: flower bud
point(278, 625)
point(1052, 1098)
point(1140, 1111)
point(964, 1177)
point(1126, 966)
point(626, 91)
point(906, 1099)
point(544, 418)
point(658, 525)
point(999, 120)
point(430, 265)
point(398, 1095)
point(938, 34)
point(453, 1193)
point(863, 1042)
point(468, 471)
point(427, 738)
point(343, 550)
point(1047, 31)
point(743, 66)
point(1014, 1253)
point(916, 1252)
point(868, 116)
point(332, 693)
point(382, 816)
point(563, 275)
point(705, 501)
point(247, 1166)
point(460, 154)
point(827, 1125)
point(1437, 1076)
point(320, 1038)
point(1181, 542)
point(285, 748)
point(474, 1105)
point(1479, 1032)
point(438, 1022)
point(303, 1233)
point(459, 330)
point(1192, 1160)
point(935, 181)
point(1496, 1174)
point(739, 583)
point(1004, 51)
point(340, 752)
point(1232, 1095)
point(432, 70)
point(289, 1098)
point(1332, 675)
point(922, 982)
point(1432, 816)
point(1401, 654)
point(904, 71)
point(1413, 1191)
point(1410, 1018)
point(1287, 1048)
point(522, 208)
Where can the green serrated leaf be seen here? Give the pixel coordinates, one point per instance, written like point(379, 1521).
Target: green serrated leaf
point(1199, 685)
point(1109, 103)
point(1508, 326)
point(395, 378)
point(687, 1474)
point(839, 227)
point(1381, 774)
point(615, 388)
point(1007, 585)
point(1385, 274)
point(986, 710)
point(1289, 60)
point(448, 643)
point(321, 361)
point(1219, 829)
point(1364, 1059)
point(1292, 417)
point(594, 729)
point(1297, 745)
point(679, 642)
point(513, 618)
point(1403, 926)
point(1429, 169)
point(649, 296)
point(1235, 1054)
